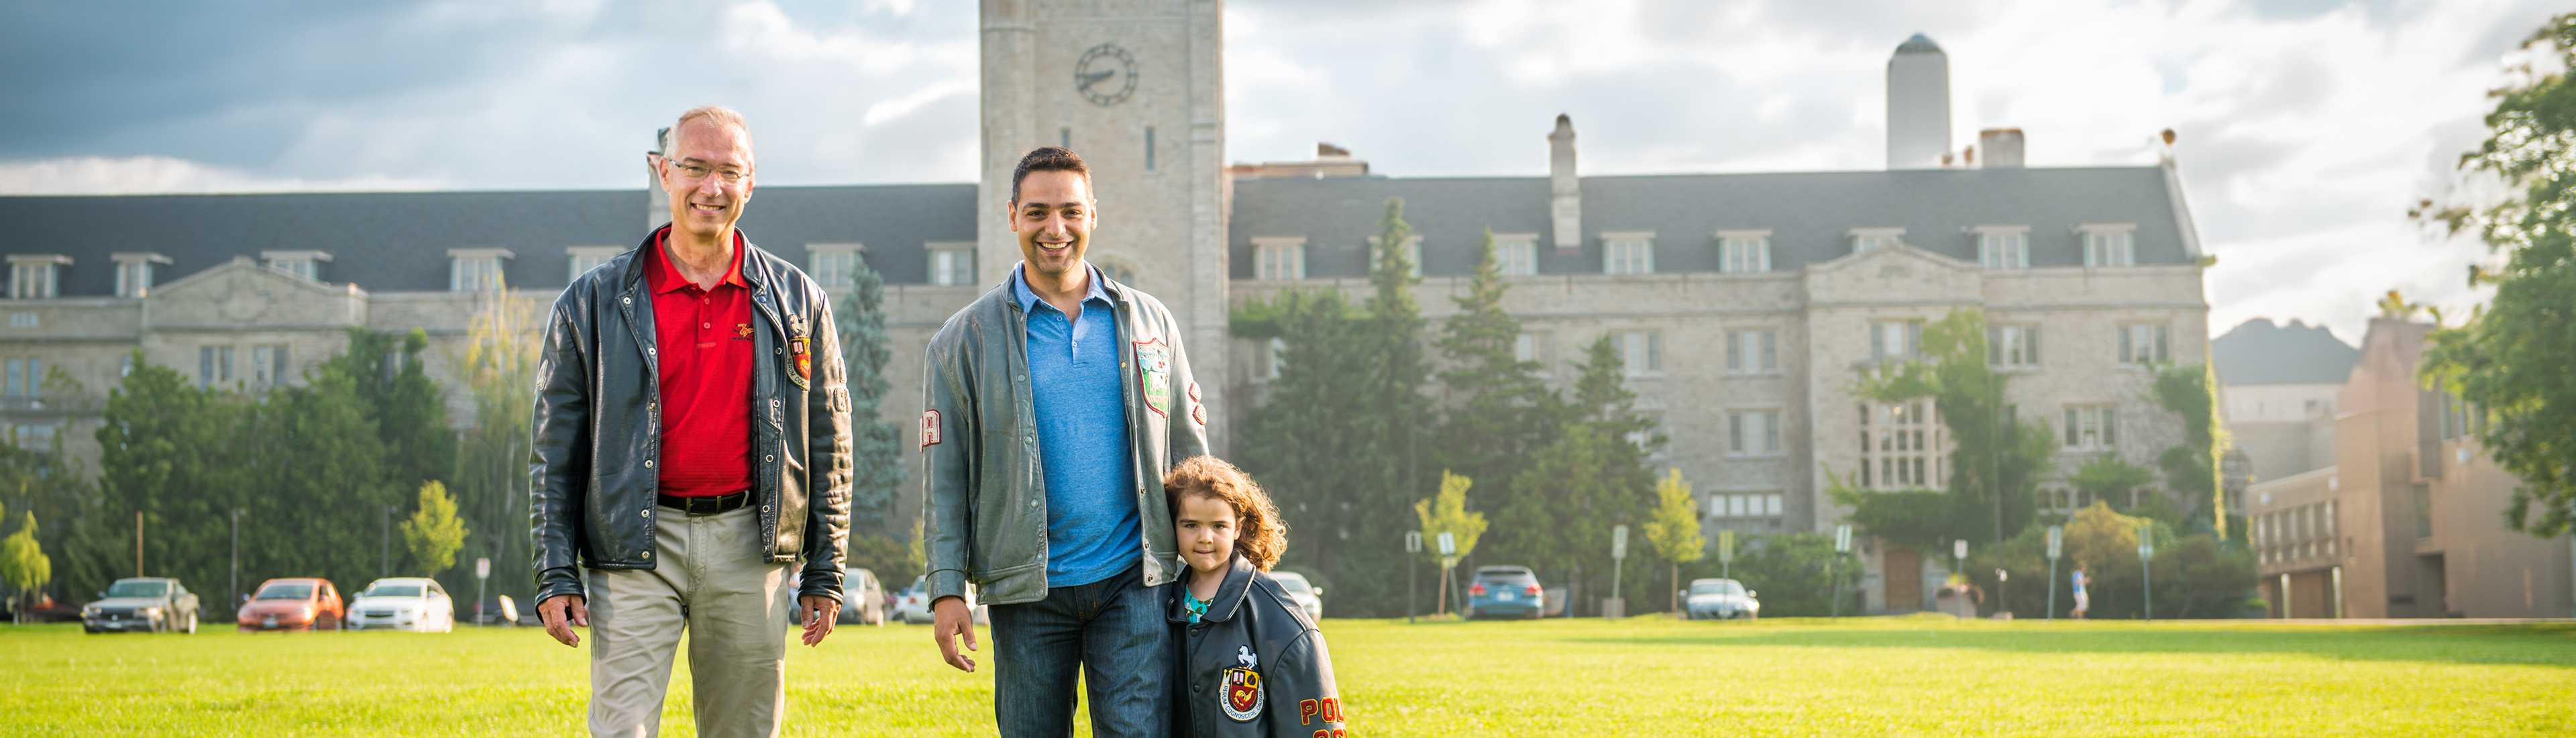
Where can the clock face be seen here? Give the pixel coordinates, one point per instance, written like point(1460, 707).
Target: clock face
point(1106, 75)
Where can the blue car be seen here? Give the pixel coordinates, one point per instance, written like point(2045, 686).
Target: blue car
point(1505, 592)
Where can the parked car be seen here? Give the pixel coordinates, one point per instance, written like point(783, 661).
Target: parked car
point(403, 603)
point(862, 599)
point(913, 605)
point(1308, 597)
point(1722, 599)
point(497, 610)
point(1505, 591)
point(151, 604)
point(293, 603)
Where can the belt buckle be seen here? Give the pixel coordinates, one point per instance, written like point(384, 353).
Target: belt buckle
point(705, 505)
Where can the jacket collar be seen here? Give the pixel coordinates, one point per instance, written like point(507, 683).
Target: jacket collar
point(1028, 298)
point(1007, 292)
point(661, 277)
point(747, 267)
point(1229, 596)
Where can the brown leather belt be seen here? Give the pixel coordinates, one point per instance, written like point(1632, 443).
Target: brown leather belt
point(705, 505)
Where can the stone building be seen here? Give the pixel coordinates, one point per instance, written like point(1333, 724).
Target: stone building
point(1746, 305)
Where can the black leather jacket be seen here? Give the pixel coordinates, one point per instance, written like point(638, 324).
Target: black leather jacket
point(597, 431)
point(1253, 665)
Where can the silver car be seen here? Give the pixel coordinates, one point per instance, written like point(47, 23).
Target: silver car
point(1309, 597)
point(912, 605)
point(148, 604)
point(1723, 599)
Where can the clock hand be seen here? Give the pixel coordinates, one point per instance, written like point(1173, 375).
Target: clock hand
point(1087, 80)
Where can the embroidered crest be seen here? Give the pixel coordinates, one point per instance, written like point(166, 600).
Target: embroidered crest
point(929, 428)
point(1242, 697)
point(796, 346)
point(742, 330)
point(1154, 369)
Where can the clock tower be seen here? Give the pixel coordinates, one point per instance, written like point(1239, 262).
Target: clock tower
point(1136, 87)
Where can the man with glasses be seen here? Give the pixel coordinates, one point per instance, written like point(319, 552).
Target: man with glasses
point(692, 441)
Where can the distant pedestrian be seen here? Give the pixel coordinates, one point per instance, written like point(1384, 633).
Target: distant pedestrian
point(2081, 602)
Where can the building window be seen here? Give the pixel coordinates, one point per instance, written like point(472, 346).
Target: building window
point(24, 320)
point(1641, 351)
point(2012, 345)
point(125, 366)
point(1627, 254)
point(2004, 248)
point(832, 264)
point(2092, 427)
point(582, 259)
point(1412, 256)
point(134, 273)
point(32, 276)
point(1525, 348)
point(268, 365)
point(35, 437)
point(1895, 339)
point(1278, 258)
point(26, 379)
point(214, 365)
point(306, 264)
point(2143, 344)
point(1900, 445)
point(952, 265)
point(2109, 246)
point(1744, 505)
point(1753, 432)
point(1744, 253)
point(476, 270)
point(1752, 352)
point(1518, 256)
point(1652, 438)
point(1149, 148)
point(1873, 239)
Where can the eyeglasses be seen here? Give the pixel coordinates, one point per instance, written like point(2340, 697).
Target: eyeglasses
point(693, 171)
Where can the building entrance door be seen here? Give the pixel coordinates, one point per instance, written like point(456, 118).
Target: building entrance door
point(1903, 573)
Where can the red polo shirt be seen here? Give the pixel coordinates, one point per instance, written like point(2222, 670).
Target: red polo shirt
point(705, 350)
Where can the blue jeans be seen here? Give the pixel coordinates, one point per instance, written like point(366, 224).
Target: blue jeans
point(1113, 632)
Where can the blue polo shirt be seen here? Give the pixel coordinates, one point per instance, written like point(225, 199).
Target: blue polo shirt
point(1093, 528)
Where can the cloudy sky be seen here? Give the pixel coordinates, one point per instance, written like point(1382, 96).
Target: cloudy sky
point(2306, 127)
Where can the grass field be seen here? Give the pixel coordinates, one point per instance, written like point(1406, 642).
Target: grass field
point(1642, 676)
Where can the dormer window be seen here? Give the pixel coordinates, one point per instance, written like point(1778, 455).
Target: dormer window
point(1516, 254)
point(1872, 239)
point(2003, 247)
point(831, 264)
point(1628, 252)
point(2109, 244)
point(34, 276)
point(134, 272)
point(1412, 255)
point(306, 264)
point(952, 262)
point(1744, 252)
point(585, 258)
point(476, 270)
point(1278, 257)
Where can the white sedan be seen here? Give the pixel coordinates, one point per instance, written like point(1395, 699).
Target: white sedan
point(403, 603)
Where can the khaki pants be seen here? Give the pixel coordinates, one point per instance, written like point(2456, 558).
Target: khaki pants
point(708, 578)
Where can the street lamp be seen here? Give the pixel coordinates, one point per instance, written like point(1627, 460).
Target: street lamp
point(236, 585)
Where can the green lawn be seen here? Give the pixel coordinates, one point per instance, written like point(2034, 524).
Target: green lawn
point(1643, 676)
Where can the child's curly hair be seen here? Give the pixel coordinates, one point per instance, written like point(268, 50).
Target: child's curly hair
point(1260, 536)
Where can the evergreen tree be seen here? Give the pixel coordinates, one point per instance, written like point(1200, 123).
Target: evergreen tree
point(877, 456)
point(1498, 409)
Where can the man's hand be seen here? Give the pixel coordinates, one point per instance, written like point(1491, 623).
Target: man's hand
point(562, 612)
point(820, 612)
point(949, 619)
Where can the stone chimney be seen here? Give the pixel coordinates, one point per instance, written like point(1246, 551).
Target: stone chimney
point(2003, 147)
point(1564, 192)
point(1918, 105)
point(658, 210)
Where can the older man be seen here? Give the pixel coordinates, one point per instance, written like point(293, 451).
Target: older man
point(692, 441)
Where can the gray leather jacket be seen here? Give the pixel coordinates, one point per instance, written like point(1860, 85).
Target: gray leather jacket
point(985, 517)
point(598, 426)
point(1251, 626)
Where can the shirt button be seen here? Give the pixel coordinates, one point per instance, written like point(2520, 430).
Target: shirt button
point(706, 325)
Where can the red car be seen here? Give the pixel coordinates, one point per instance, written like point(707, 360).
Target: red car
point(294, 604)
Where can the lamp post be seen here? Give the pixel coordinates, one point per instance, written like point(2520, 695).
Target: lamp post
point(385, 545)
point(236, 583)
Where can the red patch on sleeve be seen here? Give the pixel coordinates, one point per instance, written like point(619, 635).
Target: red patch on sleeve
point(929, 428)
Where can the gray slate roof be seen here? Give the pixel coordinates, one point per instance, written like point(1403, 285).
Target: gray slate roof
point(399, 241)
point(1810, 215)
point(2262, 352)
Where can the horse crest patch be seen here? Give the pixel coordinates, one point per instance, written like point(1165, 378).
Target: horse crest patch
point(1154, 372)
point(1242, 696)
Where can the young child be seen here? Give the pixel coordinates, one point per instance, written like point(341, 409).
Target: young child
point(1251, 663)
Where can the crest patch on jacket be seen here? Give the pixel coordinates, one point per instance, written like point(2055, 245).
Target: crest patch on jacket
point(1241, 698)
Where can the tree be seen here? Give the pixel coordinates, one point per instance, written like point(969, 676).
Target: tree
point(1590, 478)
point(23, 565)
point(497, 369)
point(1798, 574)
point(894, 560)
point(1447, 513)
point(2510, 359)
point(1498, 410)
point(1996, 461)
point(433, 534)
point(2192, 468)
point(181, 457)
point(877, 456)
point(1675, 528)
point(2195, 575)
point(2106, 477)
